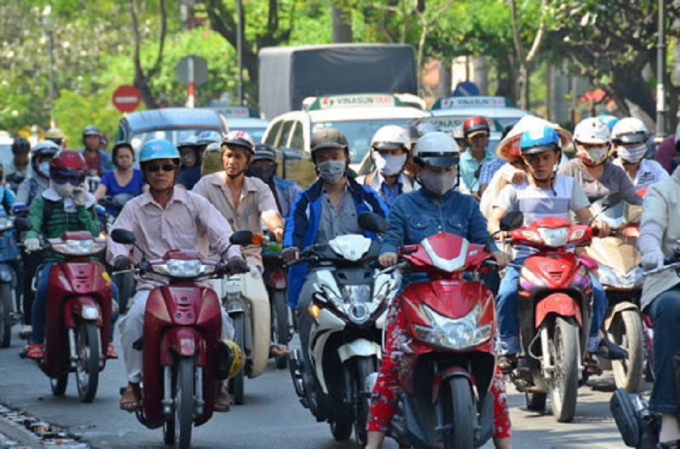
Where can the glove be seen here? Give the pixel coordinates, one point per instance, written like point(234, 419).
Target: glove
point(290, 254)
point(32, 245)
point(79, 195)
point(652, 259)
point(237, 265)
point(123, 263)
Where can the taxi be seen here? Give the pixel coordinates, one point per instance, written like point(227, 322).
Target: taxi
point(358, 116)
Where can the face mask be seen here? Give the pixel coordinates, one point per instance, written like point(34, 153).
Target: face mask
point(331, 171)
point(263, 173)
point(44, 168)
point(438, 183)
point(632, 154)
point(389, 164)
point(64, 190)
point(593, 156)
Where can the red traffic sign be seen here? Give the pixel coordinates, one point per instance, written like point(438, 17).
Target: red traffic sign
point(126, 98)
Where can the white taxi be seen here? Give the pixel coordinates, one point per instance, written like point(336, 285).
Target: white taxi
point(450, 113)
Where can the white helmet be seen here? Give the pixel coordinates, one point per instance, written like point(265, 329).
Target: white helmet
point(629, 131)
point(391, 137)
point(436, 149)
point(591, 131)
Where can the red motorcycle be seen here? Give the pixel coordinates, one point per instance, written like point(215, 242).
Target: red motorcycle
point(554, 302)
point(275, 279)
point(183, 354)
point(78, 315)
point(448, 360)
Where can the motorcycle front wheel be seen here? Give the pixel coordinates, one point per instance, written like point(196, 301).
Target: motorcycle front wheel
point(564, 354)
point(177, 429)
point(364, 367)
point(87, 366)
point(237, 383)
point(6, 318)
point(459, 411)
point(280, 321)
point(627, 333)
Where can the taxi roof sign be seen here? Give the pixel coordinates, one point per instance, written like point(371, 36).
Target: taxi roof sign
point(355, 101)
point(477, 101)
point(238, 111)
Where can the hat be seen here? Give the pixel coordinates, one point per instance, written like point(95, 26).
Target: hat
point(264, 152)
point(477, 132)
point(527, 123)
point(328, 138)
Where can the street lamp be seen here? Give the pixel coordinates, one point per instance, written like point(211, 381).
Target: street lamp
point(47, 21)
point(661, 108)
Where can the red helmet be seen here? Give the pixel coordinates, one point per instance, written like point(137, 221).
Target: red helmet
point(474, 125)
point(68, 166)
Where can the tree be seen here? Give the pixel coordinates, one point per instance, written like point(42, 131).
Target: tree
point(142, 77)
point(523, 60)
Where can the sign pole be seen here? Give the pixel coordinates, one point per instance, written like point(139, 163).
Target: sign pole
point(192, 84)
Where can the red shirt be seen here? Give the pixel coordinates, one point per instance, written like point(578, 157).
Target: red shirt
point(93, 163)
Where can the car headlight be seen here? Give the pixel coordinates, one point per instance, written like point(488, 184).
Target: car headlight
point(459, 334)
point(554, 237)
point(79, 247)
point(6, 223)
point(180, 268)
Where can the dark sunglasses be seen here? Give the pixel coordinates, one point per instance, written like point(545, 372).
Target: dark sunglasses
point(153, 168)
point(75, 178)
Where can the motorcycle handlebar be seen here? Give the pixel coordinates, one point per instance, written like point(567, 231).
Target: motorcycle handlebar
point(671, 266)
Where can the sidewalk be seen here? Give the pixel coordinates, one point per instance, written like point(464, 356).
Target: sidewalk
point(19, 430)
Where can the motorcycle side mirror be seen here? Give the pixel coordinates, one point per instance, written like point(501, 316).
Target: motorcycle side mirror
point(23, 224)
point(512, 220)
point(241, 238)
point(611, 200)
point(372, 222)
point(123, 236)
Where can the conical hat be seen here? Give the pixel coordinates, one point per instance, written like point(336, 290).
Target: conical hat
point(527, 123)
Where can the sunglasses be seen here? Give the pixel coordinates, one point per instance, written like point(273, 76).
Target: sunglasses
point(75, 178)
point(153, 168)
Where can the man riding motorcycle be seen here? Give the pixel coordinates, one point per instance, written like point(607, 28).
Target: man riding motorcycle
point(389, 150)
point(476, 131)
point(546, 194)
point(264, 168)
point(57, 136)
point(629, 138)
point(98, 161)
point(16, 171)
point(165, 218)
point(436, 207)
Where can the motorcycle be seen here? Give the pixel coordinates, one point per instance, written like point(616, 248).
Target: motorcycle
point(78, 315)
point(348, 308)
point(181, 343)
point(9, 299)
point(275, 279)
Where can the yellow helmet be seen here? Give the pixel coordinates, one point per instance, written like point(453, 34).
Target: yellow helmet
point(229, 359)
point(55, 133)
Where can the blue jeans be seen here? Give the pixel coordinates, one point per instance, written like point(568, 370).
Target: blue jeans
point(508, 314)
point(665, 314)
point(39, 312)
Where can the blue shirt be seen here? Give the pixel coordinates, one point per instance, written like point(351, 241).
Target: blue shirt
point(134, 187)
point(468, 168)
point(190, 176)
point(390, 194)
point(489, 169)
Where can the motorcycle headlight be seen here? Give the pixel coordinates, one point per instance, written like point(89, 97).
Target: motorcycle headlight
point(554, 237)
point(357, 302)
point(181, 268)
point(459, 334)
point(79, 247)
point(356, 293)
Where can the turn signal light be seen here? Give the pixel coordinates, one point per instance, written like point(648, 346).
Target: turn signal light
point(257, 239)
point(314, 310)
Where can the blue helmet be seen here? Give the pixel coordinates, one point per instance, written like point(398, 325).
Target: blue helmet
point(539, 140)
point(609, 120)
point(158, 149)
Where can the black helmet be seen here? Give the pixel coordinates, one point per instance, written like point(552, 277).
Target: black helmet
point(264, 152)
point(91, 131)
point(20, 145)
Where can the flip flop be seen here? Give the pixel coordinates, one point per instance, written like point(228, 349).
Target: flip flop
point(131, 399)
point(111, 352)
point(223, 400)
point(36, 351)
point(277, 350)
point(507, 363)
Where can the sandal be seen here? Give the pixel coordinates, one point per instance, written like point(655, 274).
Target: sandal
point(277, 350)
point(111, 352)
point(36, 351)
point(507, 362)
point(131, 399)
point(223, 400)
point(591, 366)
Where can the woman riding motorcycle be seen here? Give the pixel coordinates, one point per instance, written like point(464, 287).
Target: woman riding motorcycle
point(413, 217)
point(629, 138)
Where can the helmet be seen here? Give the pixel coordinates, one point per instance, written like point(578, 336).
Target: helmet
point(158, 149)
point(239, 139)
point(55, 134)
point(229, 359)
point(629, 130)
point(68, 166)
point(189, 141)
point(591, 131)
point(475, 125)
point(208, 137)
point(91, 131)
point(425, 127)
point(609, 120)
point(538, 140)
point(328, 138)
point(46, 148)
point(436, 149)
point(20, 145)
point(391, 137)
point(264, 152)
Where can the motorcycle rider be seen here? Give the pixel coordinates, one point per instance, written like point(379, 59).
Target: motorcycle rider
point(190, 168)
point(476, 131)
point(389, 151)
point(328, 208)
point(414, 217)
point(264, 168)
point(124, 179)
point(57, 136)
point(659, 236)
point(98, 161)
point(162, 219)
point(669, 151)
point(16, 171)
point(246, 201)
point(629, 138)
point(64, 206)
point(546, 194)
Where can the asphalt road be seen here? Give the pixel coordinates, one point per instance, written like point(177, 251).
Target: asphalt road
point(271, 417)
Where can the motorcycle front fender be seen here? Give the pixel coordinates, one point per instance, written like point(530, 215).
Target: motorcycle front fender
point(85, 307)
point(559, 304)
point(182, 341)
point(359, 348)
point(453, 371)
point(616, 310)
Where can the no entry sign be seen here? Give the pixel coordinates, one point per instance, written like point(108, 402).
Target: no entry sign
point(126, 98)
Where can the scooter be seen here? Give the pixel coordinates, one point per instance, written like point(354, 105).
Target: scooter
point(348, 308)
point(181, 342)
point(9, 299)
point(554, 302)
point(78, 316)
point(448, 360)
point(275, 279)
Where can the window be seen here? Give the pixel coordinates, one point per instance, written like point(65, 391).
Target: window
point(285, 133)
point(297, 141)
point(273, 131)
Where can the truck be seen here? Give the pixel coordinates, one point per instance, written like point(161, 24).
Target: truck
point(289, 75)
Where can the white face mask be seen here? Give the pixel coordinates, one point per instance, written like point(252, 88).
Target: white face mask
point(631, 153)
point(64, 190)
point(389, 164)
point(44, 168)
point(438, 183)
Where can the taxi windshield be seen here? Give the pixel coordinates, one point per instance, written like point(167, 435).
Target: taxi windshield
point(359, 133)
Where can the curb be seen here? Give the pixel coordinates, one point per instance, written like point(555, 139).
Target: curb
point(20, 430)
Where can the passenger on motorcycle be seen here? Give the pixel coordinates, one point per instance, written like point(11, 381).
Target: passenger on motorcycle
point(668, 152)
point(98, 161)
point(16, 171)
point(476, 131)
point(434, 208)
point(190, 163)
point(64, 206)
point(546, 194)
point(264, 168)
point(328, 208)
point(389, 151)
point(659, 237)
point(592, 170)
point(57, 136)
point(124, 179)
point(629, 138)
point(162, 219)
point(245, 202)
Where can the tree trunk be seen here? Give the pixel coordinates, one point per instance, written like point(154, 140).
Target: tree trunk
point(523, 86)
point(506, 78)
point(342, 23)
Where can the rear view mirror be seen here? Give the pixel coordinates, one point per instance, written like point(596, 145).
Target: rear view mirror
point(123, 236)
point(23, 224)
point(611, 200)
point(512, 220)
point(372, 222)
point(241, 238)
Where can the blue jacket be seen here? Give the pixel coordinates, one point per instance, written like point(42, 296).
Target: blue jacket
point(302, 225)
point(417, 215)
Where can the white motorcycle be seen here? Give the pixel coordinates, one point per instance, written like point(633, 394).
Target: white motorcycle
point(349, 307)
